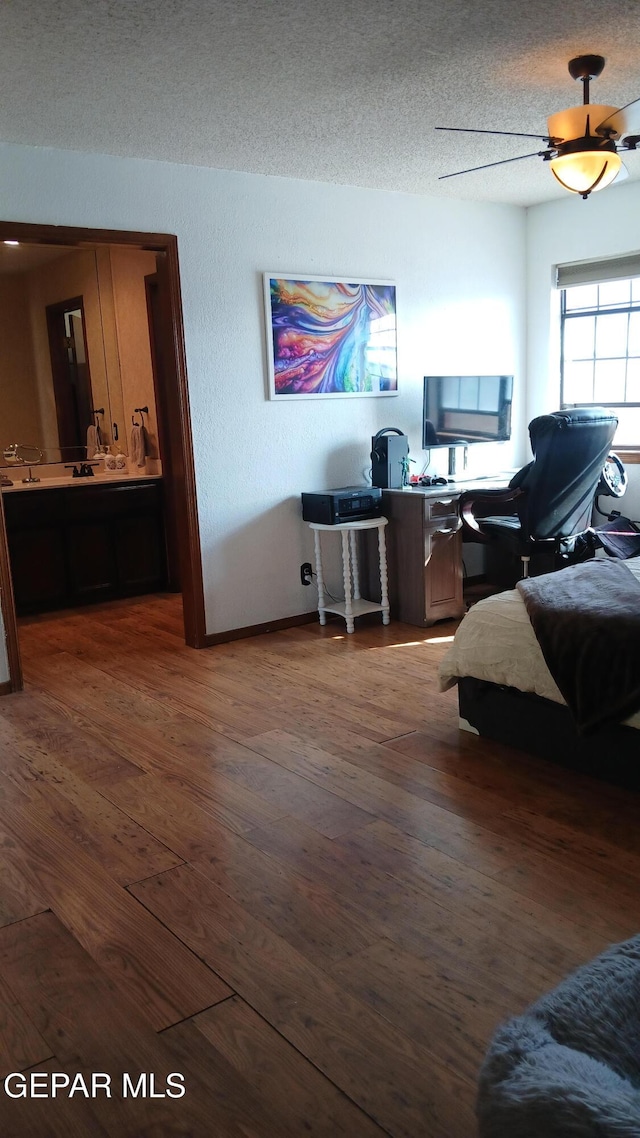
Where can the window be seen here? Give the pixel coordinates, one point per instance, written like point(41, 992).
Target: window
point(600, 344)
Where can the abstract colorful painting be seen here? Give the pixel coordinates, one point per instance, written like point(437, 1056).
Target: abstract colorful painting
point(329, 337)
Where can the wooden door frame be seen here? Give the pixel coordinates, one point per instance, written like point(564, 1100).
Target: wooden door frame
point(8, 605)
point(184, 487)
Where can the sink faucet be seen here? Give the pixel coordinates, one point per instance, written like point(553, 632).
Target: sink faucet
point(84, 470)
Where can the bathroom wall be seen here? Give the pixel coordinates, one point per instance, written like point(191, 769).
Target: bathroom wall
point(19, 405)
point(71, 275)
point(111, 283)
point(128, 270)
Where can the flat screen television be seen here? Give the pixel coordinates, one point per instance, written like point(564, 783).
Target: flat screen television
point(463, 409)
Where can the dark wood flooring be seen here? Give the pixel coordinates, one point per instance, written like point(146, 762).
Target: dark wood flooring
point(277, 869)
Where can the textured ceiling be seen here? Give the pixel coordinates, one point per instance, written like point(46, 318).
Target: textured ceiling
point(345, 91)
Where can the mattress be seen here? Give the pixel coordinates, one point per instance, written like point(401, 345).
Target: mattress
point(496, 642)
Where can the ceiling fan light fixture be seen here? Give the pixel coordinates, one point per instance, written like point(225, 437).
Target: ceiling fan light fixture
point(585, 162)
point(586, 171)
point(582, 143)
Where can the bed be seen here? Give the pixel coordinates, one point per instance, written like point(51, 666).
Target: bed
point(506, 692)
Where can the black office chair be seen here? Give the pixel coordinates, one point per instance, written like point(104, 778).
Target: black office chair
point(542, 522)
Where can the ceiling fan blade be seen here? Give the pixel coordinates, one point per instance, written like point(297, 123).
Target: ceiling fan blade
point(503, 162)
point(624, 121)
point(622, 174)
point(511, 133)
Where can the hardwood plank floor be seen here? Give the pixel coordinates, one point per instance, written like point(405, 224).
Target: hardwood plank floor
point(277, 868)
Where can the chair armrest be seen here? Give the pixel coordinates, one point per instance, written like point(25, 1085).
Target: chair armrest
point(471, 498)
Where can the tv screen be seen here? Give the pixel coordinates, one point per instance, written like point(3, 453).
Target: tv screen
point(461, 409)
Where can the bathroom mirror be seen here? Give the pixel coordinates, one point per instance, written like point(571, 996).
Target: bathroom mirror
point(59, 359)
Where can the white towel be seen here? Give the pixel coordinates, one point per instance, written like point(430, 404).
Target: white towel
point(92, 440)
point(138, 446)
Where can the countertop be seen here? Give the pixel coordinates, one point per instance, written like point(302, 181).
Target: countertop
point(56, 483)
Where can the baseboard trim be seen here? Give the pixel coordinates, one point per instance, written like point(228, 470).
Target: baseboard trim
point(212, 638)
point(6, 688)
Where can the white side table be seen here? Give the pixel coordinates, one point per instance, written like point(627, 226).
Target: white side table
point(353, 604)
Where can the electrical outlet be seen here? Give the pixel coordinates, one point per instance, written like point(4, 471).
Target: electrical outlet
point(306, 573)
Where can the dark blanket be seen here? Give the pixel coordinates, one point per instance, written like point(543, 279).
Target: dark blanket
point(587, 621)
point(619, 538)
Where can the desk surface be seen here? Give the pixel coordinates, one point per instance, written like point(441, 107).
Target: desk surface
point(496, 482)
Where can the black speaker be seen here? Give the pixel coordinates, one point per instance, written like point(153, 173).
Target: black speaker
point(389, 451)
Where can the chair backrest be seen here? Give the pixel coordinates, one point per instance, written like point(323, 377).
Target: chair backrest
point(569, 452)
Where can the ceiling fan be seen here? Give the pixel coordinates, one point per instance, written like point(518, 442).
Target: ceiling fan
point(584, 143)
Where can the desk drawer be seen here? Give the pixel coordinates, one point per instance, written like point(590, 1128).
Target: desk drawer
point(440, 508)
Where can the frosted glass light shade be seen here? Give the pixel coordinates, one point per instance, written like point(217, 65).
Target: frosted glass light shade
point(586, 171)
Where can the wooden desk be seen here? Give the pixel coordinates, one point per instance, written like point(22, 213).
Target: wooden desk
point(425, 554)
point(424, 549)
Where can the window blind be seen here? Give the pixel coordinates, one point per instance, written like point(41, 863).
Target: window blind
point(598, 272)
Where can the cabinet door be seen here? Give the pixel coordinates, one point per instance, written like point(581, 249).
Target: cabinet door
point(443, 573)
point(38, 569)
point(92, 564)
point(139, 543)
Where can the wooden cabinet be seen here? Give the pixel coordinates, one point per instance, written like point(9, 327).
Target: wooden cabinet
point(81, 544)
point(425, 554)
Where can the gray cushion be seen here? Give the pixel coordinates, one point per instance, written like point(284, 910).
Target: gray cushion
point(570, 1066)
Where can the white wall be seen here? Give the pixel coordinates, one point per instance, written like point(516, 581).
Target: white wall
point(459, 269)
point(605, 225)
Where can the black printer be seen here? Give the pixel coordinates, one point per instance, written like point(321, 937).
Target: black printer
point(346, 504)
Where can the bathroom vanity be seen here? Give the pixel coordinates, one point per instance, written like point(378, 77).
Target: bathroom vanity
point(82, 540)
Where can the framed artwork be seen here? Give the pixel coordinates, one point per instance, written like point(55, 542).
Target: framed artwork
point(329, 338)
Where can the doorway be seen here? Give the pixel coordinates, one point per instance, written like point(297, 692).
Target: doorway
point(171, 392)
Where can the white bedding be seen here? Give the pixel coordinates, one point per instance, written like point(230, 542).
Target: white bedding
point(496, 642)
